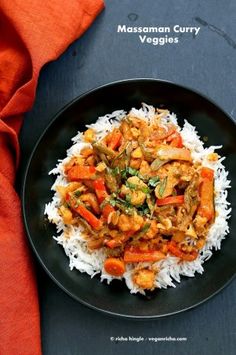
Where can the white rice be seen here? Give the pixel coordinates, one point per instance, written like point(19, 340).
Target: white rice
point(171, 268)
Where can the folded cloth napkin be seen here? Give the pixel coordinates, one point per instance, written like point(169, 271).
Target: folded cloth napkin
point(32, 32)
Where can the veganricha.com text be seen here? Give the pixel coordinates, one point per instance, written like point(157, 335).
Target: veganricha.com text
point(140, 339)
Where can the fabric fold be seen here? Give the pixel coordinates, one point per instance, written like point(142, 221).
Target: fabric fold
point(32, 33)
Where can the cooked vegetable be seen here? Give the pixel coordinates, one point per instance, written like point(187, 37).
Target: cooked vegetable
point(66, 214)
point(79, 208)
point(77, 173)
point(107, 210)
point(206, 208)
point(114, 139)
point(146, 152)
point(157, 163)
point(91, 199)
point(176, 251)
point(191, 195)
point(139, 197)
point(172, 153)
point(112, 243)
point(207, 173)
point(89, 135)
point(170, 200)
point(127, 223)
point(153, 182)
point(175, 140)
point(102, 148)
point(114, 267)
point(144, 278)
point(95, 243)
point(88, 216)
point(111, 182)
point(72, 186)
point(100, 189)
point(135, 255)
point(162, 132)
point(86, 152)
point(161, 187)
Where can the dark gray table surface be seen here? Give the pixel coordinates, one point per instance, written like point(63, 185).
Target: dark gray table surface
point(206, 63)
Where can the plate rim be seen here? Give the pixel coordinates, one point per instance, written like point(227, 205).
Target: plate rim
point(23, 189)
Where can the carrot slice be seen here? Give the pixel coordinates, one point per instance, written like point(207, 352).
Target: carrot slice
point(170, 200)
point(100, 189)
point(135, 255)
point(80, 172)
point(114, 266)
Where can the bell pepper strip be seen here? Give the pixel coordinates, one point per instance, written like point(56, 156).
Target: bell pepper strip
point(135, 255)
point(114, 266)
point(115, 139)
point(80, 172)
point(88, 216)
point(173, 153)
point(100, 189)
point(106, 210)
point(174, 249)
point(175, 140)
point(79, 208)
point(206, 207)
point(179, 199)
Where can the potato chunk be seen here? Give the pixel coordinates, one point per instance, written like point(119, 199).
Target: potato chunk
point(144, 278)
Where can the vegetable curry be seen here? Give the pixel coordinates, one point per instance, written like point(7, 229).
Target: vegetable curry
point(138, 195)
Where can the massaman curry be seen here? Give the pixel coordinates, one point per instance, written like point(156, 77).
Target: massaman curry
point(139, 196)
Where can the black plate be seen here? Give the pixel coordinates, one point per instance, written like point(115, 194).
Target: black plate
point(115, 299)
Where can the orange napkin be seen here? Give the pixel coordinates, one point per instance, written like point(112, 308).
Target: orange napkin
point(32, 32)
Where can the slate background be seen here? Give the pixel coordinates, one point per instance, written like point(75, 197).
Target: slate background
point(206, 63)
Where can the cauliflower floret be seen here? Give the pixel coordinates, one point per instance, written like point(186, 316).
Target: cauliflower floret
point(144, 278)
point(127, 223)
point(137, 198)
point(135, 188)
point(152, 231)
